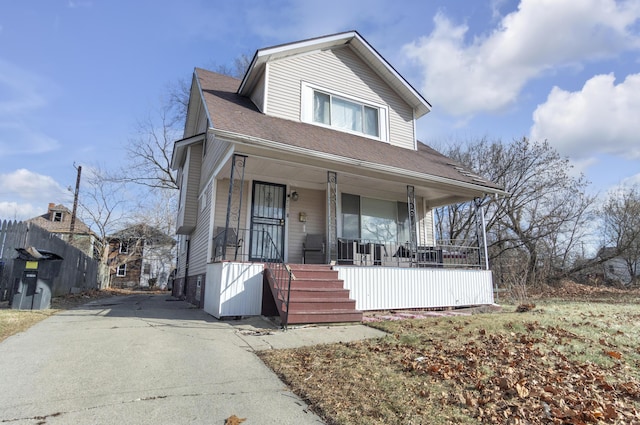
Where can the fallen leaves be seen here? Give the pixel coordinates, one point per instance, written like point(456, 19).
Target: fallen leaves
point(519, 381)
point(234, 420)
point(579, 368)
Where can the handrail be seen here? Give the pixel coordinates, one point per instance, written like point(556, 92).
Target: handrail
point(276, 268)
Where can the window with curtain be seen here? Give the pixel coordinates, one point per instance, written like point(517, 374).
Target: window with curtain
point(345, 114)
point(374, 219)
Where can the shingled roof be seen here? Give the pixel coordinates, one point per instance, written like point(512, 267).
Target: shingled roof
point(237, 114)
point(63, 226)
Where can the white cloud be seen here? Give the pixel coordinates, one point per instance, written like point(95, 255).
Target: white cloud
point(486, 73)
point(602, 117)
point(18, 211)
point(27, 185)
point(25, 194)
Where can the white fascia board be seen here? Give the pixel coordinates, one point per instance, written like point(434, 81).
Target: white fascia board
point(180, 146)
point(422, 106)
point(272, 53)
point(277, 146)
point(204, 104)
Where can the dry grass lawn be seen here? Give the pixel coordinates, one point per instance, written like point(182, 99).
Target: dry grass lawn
point(562, 362)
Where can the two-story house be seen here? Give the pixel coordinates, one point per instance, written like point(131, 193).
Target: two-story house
point(313, 158)
point(140, 256)
point(59, 220)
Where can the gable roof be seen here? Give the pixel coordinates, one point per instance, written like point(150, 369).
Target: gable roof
point(63, 226)
point(377, 63)
point(144, 231)
point(236, 118)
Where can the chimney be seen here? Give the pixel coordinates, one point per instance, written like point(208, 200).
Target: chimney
point(51, 206)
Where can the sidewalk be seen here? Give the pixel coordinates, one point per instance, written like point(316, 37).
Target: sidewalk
point(146, 359)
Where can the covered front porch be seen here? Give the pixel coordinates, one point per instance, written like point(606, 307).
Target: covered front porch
point(373, 227)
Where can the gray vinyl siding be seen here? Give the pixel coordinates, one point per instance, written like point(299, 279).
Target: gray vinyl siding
point(257, 95)
point(220, 207)
point(200, 238)
point(190, 187)
point(424, 224)
point(341, 70)
point(182, 258)
point(313, 203)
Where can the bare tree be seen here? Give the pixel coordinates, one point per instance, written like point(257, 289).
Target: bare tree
point(151, 147)
point(538, 227)
point(103, 204)
point(621, 220)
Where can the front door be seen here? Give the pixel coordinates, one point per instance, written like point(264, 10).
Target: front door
point(267, 221)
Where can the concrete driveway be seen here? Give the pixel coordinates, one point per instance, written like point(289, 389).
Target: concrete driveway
point(148, 359)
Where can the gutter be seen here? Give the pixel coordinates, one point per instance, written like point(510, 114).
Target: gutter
point(277, 146)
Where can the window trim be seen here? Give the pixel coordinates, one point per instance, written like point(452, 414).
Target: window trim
point(306, 111)
point(124, 247)
point(124, 270)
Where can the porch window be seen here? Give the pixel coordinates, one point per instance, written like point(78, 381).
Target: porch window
point(345, 114)
point(374, 219)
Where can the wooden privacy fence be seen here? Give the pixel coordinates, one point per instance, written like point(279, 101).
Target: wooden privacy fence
point(78, 271)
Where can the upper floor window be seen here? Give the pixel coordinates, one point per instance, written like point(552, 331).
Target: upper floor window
point(124, 247)
point(57, 216)
point(343, 112)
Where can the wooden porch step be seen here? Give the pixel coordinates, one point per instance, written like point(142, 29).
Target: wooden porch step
point(317, 296)
point(317, 283)
point(321, 304)
point(320, 316)
point(315, 271)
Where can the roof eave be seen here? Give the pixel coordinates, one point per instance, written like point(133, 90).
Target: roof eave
point(360, 45)
point(180, 149)
point(243, 139)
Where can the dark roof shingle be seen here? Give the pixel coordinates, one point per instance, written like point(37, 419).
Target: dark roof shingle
point(235, 113)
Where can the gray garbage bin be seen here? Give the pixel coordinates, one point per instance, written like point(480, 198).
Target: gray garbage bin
point(34, 271)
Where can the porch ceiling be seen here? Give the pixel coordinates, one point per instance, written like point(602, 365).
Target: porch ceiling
point(287, 169)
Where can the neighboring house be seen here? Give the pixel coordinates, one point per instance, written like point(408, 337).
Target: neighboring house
point(616, 268)
point(141, 256)
point(313, 156)
point(58, 220)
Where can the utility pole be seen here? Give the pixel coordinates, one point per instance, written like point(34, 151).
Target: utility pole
point(75, 204)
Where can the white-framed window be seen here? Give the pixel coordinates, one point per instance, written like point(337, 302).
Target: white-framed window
point(57, 216)
point(124, 247)
point(344, 113)
point(121, 271)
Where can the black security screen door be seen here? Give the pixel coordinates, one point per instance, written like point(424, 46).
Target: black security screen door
point(267, 216)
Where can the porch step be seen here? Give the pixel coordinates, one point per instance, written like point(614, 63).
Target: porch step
point(317, 296)
point(321, 304)
point(317, 283)
point(335, 316)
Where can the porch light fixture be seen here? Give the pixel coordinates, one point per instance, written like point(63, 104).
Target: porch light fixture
point(294, 196)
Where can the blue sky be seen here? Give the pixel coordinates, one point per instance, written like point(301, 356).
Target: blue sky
point(77, 75)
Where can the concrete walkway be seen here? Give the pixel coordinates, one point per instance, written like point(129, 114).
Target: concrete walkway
point(148, 359)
